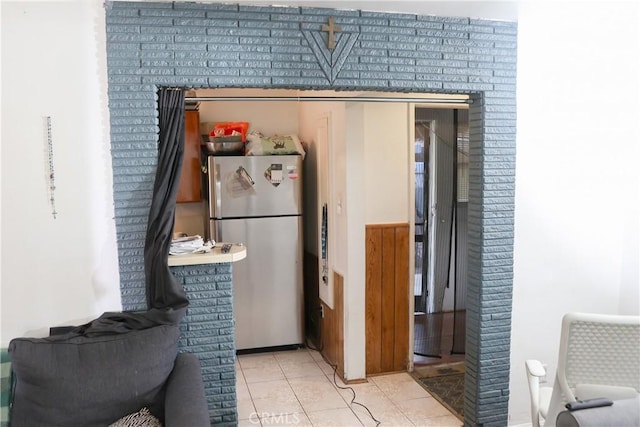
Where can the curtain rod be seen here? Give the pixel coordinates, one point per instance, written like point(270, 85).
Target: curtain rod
point(327, 98)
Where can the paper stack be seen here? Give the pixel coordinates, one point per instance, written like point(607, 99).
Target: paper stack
point(189, 245)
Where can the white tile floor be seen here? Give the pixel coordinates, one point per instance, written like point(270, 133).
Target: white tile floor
point(297, 388)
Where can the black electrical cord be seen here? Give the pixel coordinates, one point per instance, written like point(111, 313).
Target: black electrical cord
point(335, 382)
point(353, 400)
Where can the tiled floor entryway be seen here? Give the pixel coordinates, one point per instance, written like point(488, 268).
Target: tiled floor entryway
point(297, 388)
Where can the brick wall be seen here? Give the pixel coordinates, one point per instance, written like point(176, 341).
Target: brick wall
point(207, 331)
point(214, 45)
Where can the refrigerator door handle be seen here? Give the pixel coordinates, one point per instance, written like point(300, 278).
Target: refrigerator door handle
point(217, 201)
point(215, 229)
point(219, 237)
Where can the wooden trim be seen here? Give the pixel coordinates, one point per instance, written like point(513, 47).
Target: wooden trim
point(338, 302)
point(402, 296)
point(373, 300)
point(326, 334)
point(386, 225)
point(332, 332)
point(190, 175)
point(387, 298)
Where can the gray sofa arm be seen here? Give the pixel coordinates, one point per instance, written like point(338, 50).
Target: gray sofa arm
point(623, 413)
point(185, 401)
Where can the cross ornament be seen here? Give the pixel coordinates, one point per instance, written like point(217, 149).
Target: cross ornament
point(331, 28)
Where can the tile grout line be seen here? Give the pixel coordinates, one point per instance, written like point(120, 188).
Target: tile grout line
point(335, 384)
point(429, 396)
point(248, 391)
point(393, 402)
point(292, 390)
point(324, 374)
point(331, 377)
point(332, 380)
point(255, 411)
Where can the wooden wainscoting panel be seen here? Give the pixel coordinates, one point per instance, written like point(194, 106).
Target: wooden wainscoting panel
point(328, 335)
point(387, 298)
point(332, 331)
point(338, 302)
point(373, 300)
point(311, 299)
point(401, 343)
point(387, 313)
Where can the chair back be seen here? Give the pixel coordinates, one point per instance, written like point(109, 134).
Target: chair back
point(597, 349)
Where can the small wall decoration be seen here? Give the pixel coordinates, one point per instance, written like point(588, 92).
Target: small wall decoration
point(333, 55)
point(51, 181)
point(331, 29)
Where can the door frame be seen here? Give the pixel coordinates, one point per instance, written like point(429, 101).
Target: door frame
point(432, 222)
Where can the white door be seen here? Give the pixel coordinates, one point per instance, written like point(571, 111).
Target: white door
point(325, 222)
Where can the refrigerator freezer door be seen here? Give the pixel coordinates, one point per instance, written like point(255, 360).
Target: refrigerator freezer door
point(267, 285)
point(250, 186)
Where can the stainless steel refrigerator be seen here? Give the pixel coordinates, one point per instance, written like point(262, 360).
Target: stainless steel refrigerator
point(257, 201)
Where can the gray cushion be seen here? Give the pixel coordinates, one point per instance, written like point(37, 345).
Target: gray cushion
point(623, 413)
point(90, 381)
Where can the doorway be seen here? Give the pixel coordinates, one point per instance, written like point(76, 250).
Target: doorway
point(441, 150)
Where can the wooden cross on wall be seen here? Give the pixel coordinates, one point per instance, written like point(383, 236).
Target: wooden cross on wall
point(331, 29)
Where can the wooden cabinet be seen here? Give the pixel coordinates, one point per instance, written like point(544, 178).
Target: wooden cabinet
point(190, 181)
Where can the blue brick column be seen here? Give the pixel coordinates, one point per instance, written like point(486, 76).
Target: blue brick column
point(490, 272)
point(204, 45)
point(208, 332)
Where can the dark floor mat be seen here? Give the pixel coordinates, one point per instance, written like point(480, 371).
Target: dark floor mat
point(447, 386)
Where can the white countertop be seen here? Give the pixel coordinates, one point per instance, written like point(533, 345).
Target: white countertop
point(216, 256)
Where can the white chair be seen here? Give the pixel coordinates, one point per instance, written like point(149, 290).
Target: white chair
point(599, 357)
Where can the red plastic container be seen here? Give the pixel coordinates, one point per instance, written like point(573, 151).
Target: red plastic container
point(228, 129)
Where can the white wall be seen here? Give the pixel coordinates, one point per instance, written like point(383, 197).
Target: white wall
point(386, 159)
point(268, 117)
point(64, 270)
point(354, 240)
point(577, 194)
point(577, 208)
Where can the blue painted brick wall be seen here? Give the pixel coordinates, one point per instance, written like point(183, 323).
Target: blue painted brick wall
point(225, 45)
point(207, 331)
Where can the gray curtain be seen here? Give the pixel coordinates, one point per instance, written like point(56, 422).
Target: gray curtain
point(166, 298)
